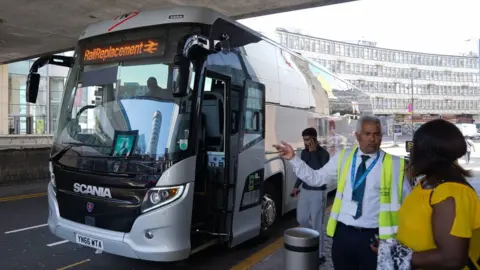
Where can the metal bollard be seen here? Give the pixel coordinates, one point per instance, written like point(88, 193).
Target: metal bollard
point(301, 249)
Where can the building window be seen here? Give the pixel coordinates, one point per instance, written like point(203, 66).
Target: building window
point(19, 110)
point(56, 92)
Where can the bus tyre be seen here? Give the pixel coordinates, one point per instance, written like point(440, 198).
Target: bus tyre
point(270, 207)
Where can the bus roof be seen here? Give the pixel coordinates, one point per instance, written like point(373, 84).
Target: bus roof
point(185, 14)
point(139, 19)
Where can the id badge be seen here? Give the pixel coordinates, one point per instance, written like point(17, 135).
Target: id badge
point(351, 208)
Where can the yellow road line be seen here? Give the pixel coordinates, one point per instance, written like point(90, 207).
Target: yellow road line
point(74, 264)
point(21, 197)
point(265, 252)
point(259, 256)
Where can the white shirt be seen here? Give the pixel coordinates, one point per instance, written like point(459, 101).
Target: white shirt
point(469, 145)
point(371, 199)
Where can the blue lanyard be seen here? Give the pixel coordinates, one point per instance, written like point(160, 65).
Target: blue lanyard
point(364, 175)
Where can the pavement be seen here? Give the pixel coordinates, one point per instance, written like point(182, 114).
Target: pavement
point(26, 242)
point(38, 187)
point(274, 260)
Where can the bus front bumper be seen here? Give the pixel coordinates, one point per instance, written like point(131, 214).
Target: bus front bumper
point(169, 225)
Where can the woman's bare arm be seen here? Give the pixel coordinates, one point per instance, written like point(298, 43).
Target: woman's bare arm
point(451, 251)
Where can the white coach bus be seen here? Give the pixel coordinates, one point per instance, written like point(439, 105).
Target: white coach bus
point(165, 132)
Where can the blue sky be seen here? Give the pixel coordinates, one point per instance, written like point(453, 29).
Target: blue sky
point(140, 114)
point(140, 111)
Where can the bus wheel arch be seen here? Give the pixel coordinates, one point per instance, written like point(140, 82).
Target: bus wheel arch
point(271, 201)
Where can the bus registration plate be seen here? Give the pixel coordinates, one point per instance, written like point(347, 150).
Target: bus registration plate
point(89, 242)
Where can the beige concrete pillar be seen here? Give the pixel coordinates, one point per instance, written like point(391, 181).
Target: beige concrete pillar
point(4, 93)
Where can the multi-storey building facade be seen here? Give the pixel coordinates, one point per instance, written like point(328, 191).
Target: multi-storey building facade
point(19, 117)
point(446, 86)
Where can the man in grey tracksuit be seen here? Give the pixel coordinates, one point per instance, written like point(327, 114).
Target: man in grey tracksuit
point(312, 201)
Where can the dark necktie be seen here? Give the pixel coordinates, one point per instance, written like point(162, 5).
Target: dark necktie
point(358, 193)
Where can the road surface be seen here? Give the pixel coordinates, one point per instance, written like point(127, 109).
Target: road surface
point(26, 243)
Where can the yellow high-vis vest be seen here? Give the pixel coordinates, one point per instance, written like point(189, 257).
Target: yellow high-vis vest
point(391, 190)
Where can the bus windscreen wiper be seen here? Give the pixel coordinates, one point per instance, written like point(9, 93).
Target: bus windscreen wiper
point(61, 152)
point(55, 157)
point(86, 144)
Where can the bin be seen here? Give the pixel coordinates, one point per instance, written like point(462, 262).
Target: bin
point(301, 249)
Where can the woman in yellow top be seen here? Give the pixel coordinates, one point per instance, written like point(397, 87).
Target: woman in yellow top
point(440, 219)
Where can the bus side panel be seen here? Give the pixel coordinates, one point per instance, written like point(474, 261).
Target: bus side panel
point(285, 124)
point(300, 94)
point(246, 220)
point(276, 166)
point(292, 94)
point(288, 99)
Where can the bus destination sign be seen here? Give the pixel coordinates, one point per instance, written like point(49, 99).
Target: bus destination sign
point(123, 51)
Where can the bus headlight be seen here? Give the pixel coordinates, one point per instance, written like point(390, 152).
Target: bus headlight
point(160, 196)
point(52, 175)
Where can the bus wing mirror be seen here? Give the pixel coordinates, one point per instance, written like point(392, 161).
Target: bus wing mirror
point(180, 76)
point(33, 81)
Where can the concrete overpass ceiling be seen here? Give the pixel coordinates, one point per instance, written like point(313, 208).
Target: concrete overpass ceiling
point(29, 28)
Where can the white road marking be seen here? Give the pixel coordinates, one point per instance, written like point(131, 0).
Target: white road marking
point(57, 243)
point(26, 229)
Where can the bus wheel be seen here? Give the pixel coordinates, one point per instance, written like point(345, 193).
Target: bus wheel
point(269, 207)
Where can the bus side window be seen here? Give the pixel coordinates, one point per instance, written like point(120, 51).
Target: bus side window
point(256, 121)
point(235, 109)
point(254, 113)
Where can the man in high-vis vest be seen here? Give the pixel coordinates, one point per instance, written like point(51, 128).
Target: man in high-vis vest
point(371, 185)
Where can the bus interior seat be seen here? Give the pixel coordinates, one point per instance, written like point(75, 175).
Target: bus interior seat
point(202, 205)
point(212, 124)
point(212, 107)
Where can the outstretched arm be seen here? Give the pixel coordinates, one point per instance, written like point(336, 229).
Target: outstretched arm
point(316, 178)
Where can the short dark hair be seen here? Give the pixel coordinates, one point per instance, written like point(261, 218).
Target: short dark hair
point(437, 145)
point(310, 132)
point(152, 80)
